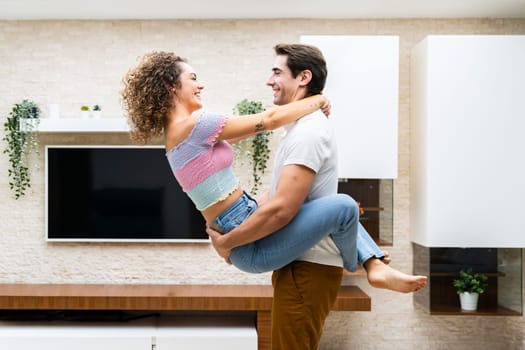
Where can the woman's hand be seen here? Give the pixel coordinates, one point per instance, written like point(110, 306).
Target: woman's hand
point(326, 106)
point(386, 257)
point(216, 241)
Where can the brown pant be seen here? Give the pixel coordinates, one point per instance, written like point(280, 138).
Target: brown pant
point(304, 294)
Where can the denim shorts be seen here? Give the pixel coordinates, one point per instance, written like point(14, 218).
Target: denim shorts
point(232, 217)
point(335, 215)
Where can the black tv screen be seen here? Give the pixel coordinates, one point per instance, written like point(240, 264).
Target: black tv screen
point(117, 193)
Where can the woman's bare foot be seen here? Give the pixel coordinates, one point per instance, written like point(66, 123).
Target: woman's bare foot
point(383, 276)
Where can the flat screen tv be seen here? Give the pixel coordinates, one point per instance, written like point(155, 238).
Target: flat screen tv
point(116, 193)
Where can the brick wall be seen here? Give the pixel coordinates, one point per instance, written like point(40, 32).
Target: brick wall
point(81, 62)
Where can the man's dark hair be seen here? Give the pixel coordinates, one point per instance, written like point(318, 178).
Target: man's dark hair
point(305, 57)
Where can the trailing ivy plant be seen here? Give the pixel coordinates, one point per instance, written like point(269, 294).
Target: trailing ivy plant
point(256, 147)
point(21, 136)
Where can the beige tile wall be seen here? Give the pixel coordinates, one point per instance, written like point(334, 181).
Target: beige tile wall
point(81, 62)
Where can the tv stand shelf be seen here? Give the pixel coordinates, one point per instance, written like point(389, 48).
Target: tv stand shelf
point(144, 297)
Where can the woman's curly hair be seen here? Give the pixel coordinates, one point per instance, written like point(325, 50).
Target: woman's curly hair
point(147, 96)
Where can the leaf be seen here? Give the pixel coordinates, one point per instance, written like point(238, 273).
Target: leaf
point(258, 149)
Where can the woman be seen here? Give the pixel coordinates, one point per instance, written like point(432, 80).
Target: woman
point(162, 97)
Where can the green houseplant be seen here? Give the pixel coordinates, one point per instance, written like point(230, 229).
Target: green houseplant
point(21, 136)
point(256, 147)
point(469, 285)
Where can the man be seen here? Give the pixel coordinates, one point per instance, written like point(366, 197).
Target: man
point(306, 169)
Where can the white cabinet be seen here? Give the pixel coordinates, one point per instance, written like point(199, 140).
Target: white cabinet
point(468, 141)
point(363, 87)
point(165, 333)
point(212, 332)
point(74, 336)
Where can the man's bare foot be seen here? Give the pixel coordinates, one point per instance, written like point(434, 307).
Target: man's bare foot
point(383, 276)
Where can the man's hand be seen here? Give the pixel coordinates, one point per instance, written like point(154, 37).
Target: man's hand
point(216, 241)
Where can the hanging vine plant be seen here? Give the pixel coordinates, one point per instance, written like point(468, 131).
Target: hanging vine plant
point(256, 147)
point(22, 139)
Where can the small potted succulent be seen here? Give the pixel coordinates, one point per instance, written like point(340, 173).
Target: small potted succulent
point(469, 286)
point(97, 111)
point(84, 112)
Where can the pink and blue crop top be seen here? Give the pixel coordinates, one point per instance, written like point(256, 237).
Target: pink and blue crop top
point(201, 165)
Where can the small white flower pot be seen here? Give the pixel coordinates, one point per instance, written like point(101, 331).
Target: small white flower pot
point(468, 301)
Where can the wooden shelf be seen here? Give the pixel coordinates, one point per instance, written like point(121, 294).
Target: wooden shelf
point(384, 243)
point(442, 265)
point(359, 272)
point(455, 274)
point(445, 310)
point(372, 209)
point(163, 297)
point(156, 297)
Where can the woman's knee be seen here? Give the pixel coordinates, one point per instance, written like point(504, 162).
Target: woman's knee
point(348, 203)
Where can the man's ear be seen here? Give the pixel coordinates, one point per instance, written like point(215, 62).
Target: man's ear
point(304, 77)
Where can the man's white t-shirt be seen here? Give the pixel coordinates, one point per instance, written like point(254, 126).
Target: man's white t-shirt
point(310, 142)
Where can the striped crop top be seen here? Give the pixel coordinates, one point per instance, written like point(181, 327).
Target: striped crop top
point(201, 165)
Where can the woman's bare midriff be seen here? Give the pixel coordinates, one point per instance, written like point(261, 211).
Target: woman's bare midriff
point(216, 209)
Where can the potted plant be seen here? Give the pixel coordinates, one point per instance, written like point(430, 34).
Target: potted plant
point(256, 147)
point(469, 286)
point(22, 138)
point(84, 112)
point(97, 111)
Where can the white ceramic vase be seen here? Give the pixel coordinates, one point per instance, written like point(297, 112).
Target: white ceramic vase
point(469, 301)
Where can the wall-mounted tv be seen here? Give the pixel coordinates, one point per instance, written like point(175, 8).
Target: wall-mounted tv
point(116, 193)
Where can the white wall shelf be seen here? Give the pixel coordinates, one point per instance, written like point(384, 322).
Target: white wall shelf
point(51, 125)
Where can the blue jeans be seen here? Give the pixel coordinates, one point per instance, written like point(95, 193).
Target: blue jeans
point(335, 215)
